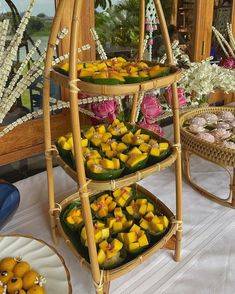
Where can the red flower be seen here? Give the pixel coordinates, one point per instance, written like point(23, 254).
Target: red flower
point(152, 127)
point(150, 108)
point(181, 97)
point(227, 62)
point(105, 110)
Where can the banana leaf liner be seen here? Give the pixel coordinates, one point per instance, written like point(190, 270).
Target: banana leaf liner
point(107, 81)
point(128, 199)
point(132, 254)
point(66, 155)
point(65, 213)
point(87, 79)
point(95, 213)
point(133, 80)
point(136, 196)
point(154, 159)
point(124, 230)
point(83, 241)
point(162, 73)
point(115, 261)
point(140, 165)
point(108, 175)
point(156, 236)
point(61, 70)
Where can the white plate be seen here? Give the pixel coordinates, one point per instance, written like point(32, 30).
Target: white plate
point(43, 258)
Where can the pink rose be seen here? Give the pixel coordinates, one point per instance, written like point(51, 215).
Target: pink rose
point(181, 97)
point(227, 62)
point(152, 127)
point(150, 108)
point(105, 110)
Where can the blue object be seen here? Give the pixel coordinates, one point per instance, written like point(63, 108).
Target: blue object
point(9, 202)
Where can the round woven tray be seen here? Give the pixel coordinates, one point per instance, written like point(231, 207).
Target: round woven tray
point(120, 89)
point(125, 268)
point(210, 151)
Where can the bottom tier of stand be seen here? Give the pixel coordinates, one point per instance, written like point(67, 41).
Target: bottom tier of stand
point(128, 241)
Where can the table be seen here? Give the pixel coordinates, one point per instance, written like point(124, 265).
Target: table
point(208, 251)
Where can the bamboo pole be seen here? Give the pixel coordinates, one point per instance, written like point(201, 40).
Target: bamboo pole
point(46, 113)
point(164, 31)
point(141, 29)
point(81, 177)
point(175, 108)
point(174, 12)
point(134, 108)
point(140, 56)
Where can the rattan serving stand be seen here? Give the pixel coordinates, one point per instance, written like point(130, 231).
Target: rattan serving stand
point(85, 186)
point(221, 156)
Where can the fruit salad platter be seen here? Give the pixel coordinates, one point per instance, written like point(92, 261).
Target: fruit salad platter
point(114, 151)
point(127, 222)
point(116, 71)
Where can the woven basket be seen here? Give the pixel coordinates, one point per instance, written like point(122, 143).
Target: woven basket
point(122, 181)
point(209, 151)
point(124, 89)
point(125, 268)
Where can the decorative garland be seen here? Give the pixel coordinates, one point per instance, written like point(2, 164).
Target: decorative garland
point(100, 47)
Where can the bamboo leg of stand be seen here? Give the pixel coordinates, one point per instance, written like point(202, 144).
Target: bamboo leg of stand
point(178, 171)
point(81, 177)
point(140, 56)
point(164, 30)
point(141, 29)
point(233, 188)
point(175, 108)
point(134, 108)
point(46, 114)
point(106, 287)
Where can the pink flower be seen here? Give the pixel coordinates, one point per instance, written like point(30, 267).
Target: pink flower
point(227, 62)
point(152, 127)
point(150, 108)
point(181, 97)
point(105, 110)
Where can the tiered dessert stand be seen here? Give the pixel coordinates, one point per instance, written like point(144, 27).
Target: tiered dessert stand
point(87, 187)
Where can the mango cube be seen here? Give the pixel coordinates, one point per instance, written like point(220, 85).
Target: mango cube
point(155, 151)
point(116, 163)
point(143, 241)
point(164, 220)
point(101, 256)
point(130, 237)
point(61, 140)
point(123, 157)
point(144, 147)
point(133, 246)
point(143, 209)
point(107, 164)
point(163, 146)
point(117, 226)
point(128, 138)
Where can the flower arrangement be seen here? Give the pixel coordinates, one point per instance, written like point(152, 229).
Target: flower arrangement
point(11, 89)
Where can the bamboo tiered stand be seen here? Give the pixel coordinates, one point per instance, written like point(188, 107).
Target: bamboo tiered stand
point(102, 278)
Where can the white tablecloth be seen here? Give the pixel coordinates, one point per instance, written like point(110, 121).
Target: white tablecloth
point(208, 247)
